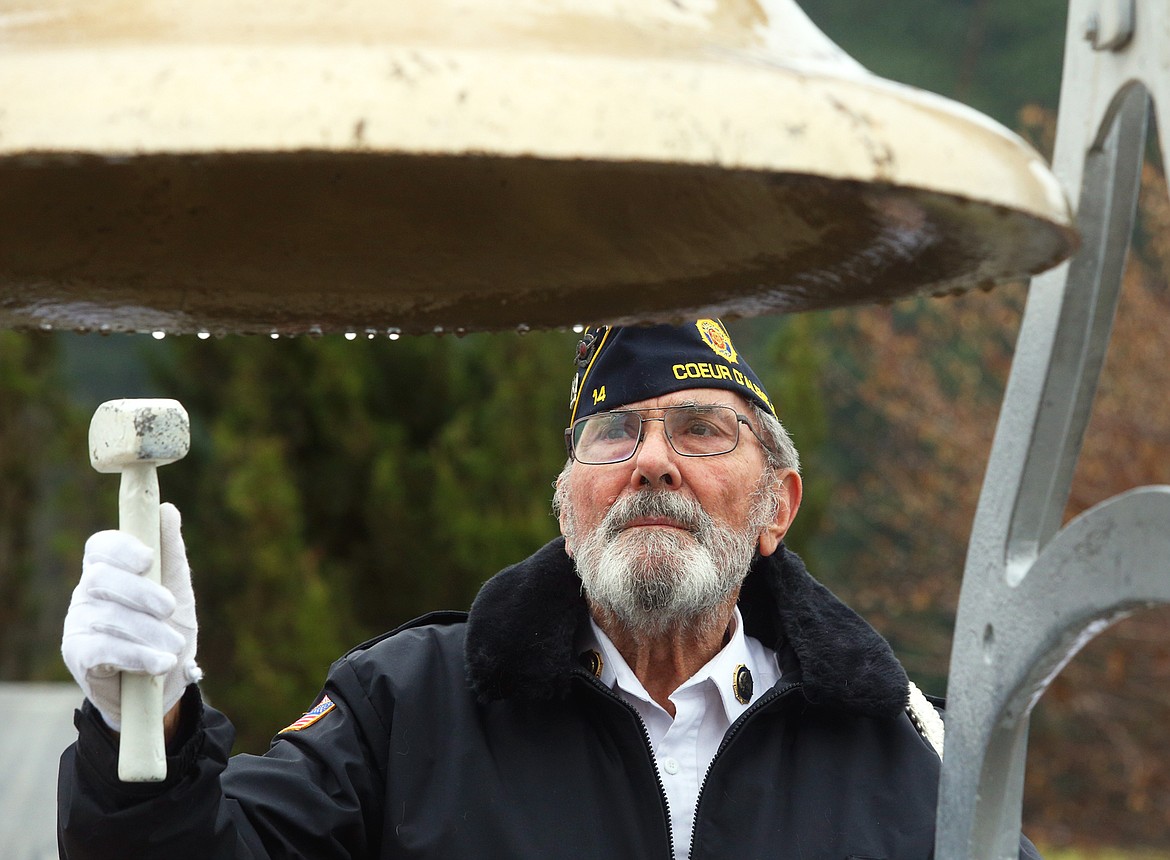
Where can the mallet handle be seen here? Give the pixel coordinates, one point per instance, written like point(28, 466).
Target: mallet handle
point(142, 753)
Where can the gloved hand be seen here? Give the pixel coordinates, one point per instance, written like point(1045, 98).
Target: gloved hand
point(119, 621)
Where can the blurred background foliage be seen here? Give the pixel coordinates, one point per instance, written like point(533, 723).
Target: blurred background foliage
point(338, 488)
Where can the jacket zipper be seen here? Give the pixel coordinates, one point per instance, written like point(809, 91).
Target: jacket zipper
point(592, 680)
point(764, 700)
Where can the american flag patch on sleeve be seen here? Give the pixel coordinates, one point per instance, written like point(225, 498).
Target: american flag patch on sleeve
point(310, 716)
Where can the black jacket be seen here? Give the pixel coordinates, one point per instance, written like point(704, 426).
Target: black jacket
point(483, 735)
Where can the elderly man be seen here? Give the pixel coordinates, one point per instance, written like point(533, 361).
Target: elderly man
point(666, 681)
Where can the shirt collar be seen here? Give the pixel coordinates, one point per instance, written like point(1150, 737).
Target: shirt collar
point(725, 671)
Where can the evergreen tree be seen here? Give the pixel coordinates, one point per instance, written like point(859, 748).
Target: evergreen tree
point(44, 476)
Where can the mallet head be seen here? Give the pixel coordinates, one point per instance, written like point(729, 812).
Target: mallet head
point(138, 432)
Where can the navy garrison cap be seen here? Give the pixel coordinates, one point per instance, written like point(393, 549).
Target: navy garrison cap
point(617, 366)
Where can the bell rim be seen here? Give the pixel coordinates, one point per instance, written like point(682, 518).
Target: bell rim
point(735, 114)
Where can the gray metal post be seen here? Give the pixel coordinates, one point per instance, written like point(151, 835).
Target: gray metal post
point(1033, 593)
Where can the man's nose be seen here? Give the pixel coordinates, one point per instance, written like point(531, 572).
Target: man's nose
point(656, 462)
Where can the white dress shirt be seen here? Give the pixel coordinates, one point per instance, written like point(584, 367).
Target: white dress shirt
point(705, 706)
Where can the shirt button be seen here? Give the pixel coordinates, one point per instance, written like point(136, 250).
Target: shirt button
point(670, 765)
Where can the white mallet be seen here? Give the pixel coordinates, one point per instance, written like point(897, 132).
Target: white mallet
point(134, 437)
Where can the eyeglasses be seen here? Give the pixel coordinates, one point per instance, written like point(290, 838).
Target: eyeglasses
point(692, 431)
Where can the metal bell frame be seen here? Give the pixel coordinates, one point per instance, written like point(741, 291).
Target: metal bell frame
point(1034, 593)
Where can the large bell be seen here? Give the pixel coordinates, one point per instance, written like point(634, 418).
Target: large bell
point(234, 165)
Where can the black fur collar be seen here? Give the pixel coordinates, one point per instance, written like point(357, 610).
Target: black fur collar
point(523, 624)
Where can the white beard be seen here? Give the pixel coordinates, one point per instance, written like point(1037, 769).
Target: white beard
point(650, 580)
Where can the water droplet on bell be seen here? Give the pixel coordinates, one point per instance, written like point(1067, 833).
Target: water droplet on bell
point(394, 334)
point(460, 332)
point(522, 329)
point(578, 328)
point(46, 327)
point(203, 335)
point(439, 330)
point(350, 335)
point(314, 331)
point(158, 335)
point(275, 335)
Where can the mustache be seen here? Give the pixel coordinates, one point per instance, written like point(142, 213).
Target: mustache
point(688, 513)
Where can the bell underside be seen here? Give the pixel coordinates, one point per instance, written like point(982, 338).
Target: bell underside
point(162, 170)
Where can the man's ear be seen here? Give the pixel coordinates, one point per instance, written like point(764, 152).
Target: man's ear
point(561, 517)
point(788, 502)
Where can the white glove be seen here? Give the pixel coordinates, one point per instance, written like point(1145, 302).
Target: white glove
point(119, 621)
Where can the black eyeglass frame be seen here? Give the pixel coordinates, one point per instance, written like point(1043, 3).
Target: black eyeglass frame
point(740, 418)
